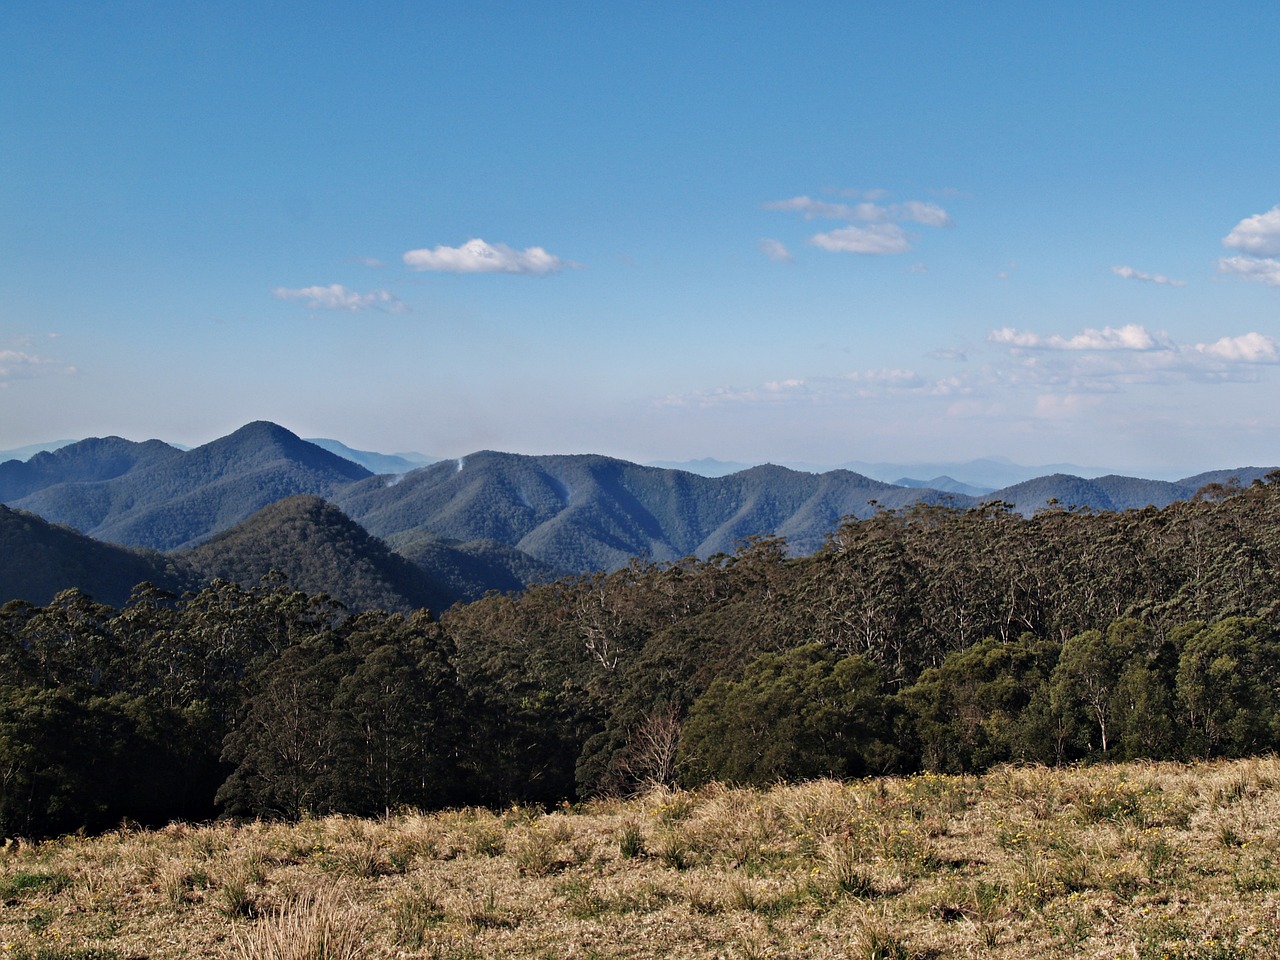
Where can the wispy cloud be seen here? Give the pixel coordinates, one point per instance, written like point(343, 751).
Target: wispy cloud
point(476, 256)
point(1128, 273)
point(917, 211)
point(19, 365)
point(1047, 377)
point(877, 239)
point(874, 228)
point(775, 391)
point(1132, 336)
point(1258, 240)
point(1262, 269)
point(775, 250)
point(337, 297)
point(1106, 360)
point(859, 385)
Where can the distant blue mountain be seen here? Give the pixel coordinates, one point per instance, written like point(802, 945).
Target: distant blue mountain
point(31, 449)
point(974, 477)
point(705, 467)
point(576, 513)
point(988, 473)
point(373, 461)
point(944, 483)
point(154, 495)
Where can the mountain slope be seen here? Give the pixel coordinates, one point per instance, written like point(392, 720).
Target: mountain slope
point(588, 512)
point(86, 461)
point(176, 499)
point(38, 560)
point(470, 570)
point(319, 550)
point(566, 513)
point(1114, 492)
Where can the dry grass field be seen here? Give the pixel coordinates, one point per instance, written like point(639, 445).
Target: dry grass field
point(1146, 861)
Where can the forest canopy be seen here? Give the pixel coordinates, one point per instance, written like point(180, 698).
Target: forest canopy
point(925, 638)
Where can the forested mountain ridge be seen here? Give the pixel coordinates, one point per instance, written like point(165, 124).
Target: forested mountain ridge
point(175, 499)
point(922, 638)
point(305, 540)
point(38, 560)
point(319, 550)
point(86, 461)
point(577, 513)
point(1115, 492)
point(588, 512)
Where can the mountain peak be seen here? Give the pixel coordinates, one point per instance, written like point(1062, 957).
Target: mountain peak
point(264, 442)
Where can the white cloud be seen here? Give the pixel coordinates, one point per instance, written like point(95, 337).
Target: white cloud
point(18, 365)
point(814, 209)
point(1259, 234)
point(876, 240)
point(337, 297)
point(1129, 273)
point(823, 390)
point(1132, 336)
point(775, 250)
point(476, 256)
point(783, 386)
point(874, 227)
point(1262, 269)
point(929, 214)
point(1246, 348)
point(1015, 338)
point(1110, 360)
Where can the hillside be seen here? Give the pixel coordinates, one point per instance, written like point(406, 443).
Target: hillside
point(174, 499)
point(579, 513)
point(87, 461)
point(1115, 492)
point(931, 639)
point(319, 550)
point(468, 570)
point(587, 512)
point(38, 560)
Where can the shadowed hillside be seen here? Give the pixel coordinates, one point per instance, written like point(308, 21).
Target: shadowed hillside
point(319, 550)
point(470, 570)
point(38, 560)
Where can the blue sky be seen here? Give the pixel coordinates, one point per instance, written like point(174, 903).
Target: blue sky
point(803, 231)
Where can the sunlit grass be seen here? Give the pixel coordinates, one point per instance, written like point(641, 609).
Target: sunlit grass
point(1138, 861)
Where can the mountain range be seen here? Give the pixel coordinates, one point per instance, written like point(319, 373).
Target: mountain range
point(262, 498)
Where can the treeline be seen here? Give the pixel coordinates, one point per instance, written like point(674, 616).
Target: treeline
point(924, 638)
